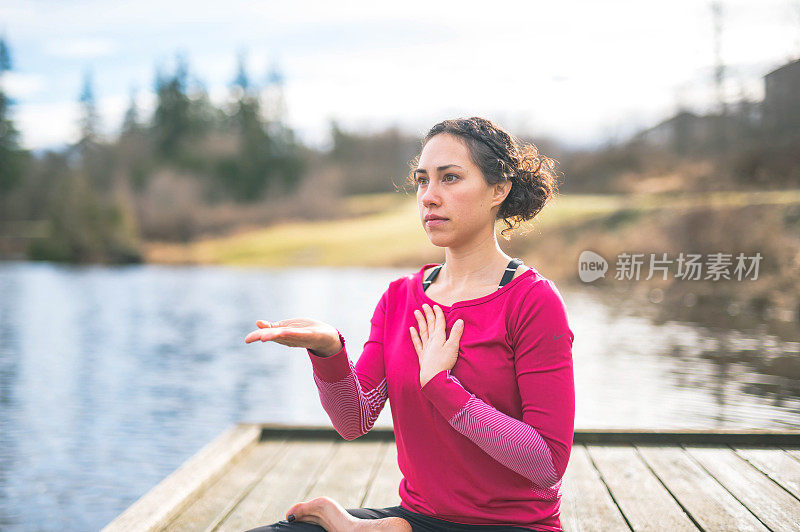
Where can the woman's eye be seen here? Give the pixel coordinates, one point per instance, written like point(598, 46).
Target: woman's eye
point(424, 180)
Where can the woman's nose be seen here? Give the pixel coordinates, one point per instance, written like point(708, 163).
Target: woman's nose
point(430, 195)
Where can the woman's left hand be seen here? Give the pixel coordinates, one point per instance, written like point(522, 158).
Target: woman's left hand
point(436, 353)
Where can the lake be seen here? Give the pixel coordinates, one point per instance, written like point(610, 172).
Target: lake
point(111, 377)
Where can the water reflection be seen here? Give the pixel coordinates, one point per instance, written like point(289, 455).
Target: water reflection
point(678, 373)
point(111, 377)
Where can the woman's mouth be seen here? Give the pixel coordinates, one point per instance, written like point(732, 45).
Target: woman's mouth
point(435, 222)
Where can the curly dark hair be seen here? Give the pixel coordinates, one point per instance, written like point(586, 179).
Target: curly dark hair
point(500, 155)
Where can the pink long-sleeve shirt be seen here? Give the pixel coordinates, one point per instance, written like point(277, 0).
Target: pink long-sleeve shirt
point(488, 441)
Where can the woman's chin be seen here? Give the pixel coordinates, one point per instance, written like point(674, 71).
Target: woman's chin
point(439, 240)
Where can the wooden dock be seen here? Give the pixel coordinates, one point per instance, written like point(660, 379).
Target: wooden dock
point(616, 480)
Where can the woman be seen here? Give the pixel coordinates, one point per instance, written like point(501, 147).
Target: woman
point(479, 373)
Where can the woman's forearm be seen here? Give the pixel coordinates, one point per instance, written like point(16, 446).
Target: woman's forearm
point(353, 399)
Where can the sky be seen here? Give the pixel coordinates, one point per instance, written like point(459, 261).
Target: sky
point(580, 72)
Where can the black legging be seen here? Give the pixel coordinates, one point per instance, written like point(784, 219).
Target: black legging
point(418, 522)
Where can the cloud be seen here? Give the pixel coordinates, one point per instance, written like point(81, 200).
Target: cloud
point(53, 124)
point(18, 85)
point(47, 124)
point(618, 66)
point(80, 48)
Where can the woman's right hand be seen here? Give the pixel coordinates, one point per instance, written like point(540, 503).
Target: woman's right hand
point(318, 336)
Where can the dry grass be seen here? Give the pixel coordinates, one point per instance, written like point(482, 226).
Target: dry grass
point(384, 230)
point(368, 240)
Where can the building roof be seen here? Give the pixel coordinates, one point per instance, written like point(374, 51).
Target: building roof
point(786, 68)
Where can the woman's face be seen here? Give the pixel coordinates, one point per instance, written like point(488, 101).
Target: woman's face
point(450, 185)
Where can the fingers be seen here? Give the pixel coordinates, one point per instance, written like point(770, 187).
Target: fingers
point(423, 326)
point(455, 332)
point(264, 334)
point(439, 317)
point(266, 324)
point(262, 324)
point(416, 341)
point(256, 335)
point(430, 321)
point(429, 315)
point(252, 337)
point(436, 324)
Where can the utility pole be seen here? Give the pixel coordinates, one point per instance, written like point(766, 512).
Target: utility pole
point(719, 74)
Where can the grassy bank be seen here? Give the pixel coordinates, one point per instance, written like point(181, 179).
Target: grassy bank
point(384, 229)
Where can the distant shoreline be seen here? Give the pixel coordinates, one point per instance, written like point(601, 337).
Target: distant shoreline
point(608, 224)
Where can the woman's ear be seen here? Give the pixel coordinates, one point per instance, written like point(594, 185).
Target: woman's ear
point(500, 191)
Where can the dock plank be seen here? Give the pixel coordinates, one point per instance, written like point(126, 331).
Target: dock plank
point(777, 509)
point(384, 489)
point(794, 453)
point(710, 505)
point(282, 486)
point(586, 504)
point(778, 465)
point(349, 473)
point(220, 499)
point(155, 509)
point(646, 504)
point(681, 480)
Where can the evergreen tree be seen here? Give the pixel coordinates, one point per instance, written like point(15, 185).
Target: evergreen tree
point(246, 175)
point(171, 122)
point(274, 95)
point(287, 161)
point(95, 158)
point(242, 80)
point(248, 108)
point(130, 123)
point(203, 116)
point(12, 157)
point(83, 227)
point(134, 147)
point(89, 121)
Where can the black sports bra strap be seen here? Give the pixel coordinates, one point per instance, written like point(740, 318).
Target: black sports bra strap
point(507, 276)
point(513, 264)
point(431, 276)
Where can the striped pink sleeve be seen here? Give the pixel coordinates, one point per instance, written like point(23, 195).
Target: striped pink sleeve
point(538, 446)
point(354, 395)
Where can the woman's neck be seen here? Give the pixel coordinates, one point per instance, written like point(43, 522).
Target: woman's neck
point(474, 266)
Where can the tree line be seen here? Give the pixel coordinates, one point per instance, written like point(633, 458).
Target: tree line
point(193, 168)
point(99, 198)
